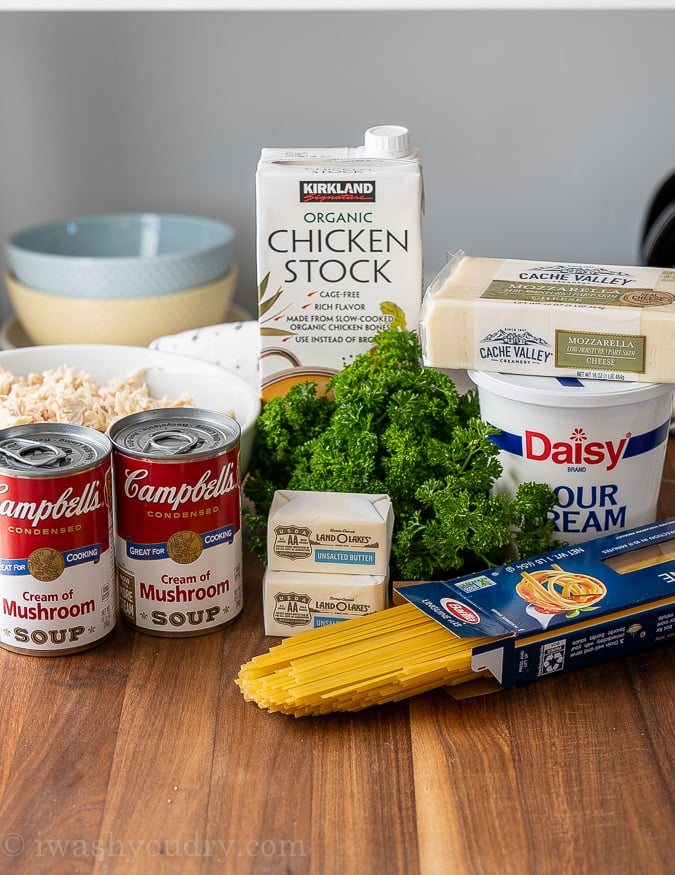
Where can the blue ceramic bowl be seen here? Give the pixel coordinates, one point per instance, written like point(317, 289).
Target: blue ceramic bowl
point(121, 255)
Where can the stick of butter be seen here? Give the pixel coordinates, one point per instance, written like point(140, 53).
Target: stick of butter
point(340, 532)
point(558, 319)
point(295, 601)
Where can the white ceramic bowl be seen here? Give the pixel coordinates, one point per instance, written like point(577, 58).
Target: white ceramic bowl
point(121, 255)
point(167, 374)
point(234, 345)
point(49, 318)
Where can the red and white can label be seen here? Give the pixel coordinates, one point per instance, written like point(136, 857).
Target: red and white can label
point(57, 592)
point(178, 542)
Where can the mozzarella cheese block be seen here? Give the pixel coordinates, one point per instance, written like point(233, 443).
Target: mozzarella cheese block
point(558, 319)
point(339, 532)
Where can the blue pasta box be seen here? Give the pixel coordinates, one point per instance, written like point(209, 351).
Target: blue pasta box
point(561, 610)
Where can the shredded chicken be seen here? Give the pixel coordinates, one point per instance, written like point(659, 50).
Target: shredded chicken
point(70, 395)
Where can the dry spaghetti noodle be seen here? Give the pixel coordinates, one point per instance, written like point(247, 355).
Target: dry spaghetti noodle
point(370, 660)
point(399, 652)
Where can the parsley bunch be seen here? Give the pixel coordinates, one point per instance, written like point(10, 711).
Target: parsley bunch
point(389, 425)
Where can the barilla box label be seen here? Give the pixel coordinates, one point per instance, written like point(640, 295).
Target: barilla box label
point(564, 609)
point(293, 602)
point(339, 532)
point(559, 319)
point(339, 258)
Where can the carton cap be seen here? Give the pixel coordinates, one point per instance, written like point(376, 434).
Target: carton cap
point(387, 141)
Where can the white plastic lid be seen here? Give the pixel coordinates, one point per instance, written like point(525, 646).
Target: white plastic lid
point(566, 391)
point(387, 141)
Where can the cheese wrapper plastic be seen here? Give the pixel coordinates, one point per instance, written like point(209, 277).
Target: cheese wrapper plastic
point(551, 318)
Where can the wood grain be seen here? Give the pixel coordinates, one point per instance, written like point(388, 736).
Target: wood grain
point(141, 756)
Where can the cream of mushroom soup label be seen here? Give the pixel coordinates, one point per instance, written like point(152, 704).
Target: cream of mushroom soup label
point(57, 577)
point(178, 541)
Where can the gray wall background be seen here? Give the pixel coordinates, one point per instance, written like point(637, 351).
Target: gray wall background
point(544, 133)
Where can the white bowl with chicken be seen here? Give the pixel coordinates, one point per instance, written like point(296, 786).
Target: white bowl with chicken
point(94, 385)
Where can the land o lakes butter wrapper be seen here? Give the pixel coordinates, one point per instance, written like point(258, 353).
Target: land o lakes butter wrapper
point(295, 600)
point(335, 532)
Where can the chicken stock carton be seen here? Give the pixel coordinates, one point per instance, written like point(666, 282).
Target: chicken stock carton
point(339, 254)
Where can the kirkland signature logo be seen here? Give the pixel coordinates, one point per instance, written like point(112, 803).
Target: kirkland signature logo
point(344, 190)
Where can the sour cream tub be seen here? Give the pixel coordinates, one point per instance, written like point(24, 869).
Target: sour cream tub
point(599, 444)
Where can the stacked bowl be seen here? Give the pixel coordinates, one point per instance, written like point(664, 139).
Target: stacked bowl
point(120, 278)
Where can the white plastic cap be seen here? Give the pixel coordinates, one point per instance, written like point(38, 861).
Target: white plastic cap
point(387, 141)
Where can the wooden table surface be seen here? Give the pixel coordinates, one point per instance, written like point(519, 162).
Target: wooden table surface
point(142, 756)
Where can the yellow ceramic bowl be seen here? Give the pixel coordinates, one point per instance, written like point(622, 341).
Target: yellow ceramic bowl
point(49, 319)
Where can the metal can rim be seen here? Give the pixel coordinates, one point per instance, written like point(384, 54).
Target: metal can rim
point(227, 425)
point(92, 438)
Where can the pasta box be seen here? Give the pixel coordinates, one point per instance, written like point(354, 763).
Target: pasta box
point(561, 610)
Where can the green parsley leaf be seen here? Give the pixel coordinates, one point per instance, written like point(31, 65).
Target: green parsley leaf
point(389, 425)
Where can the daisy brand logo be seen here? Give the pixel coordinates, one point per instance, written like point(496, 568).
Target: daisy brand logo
point(460, 611)
point(578, 450)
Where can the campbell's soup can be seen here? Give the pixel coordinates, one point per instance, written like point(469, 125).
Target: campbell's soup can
point(178, 520)
point(599, 444)
point(57, 572)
